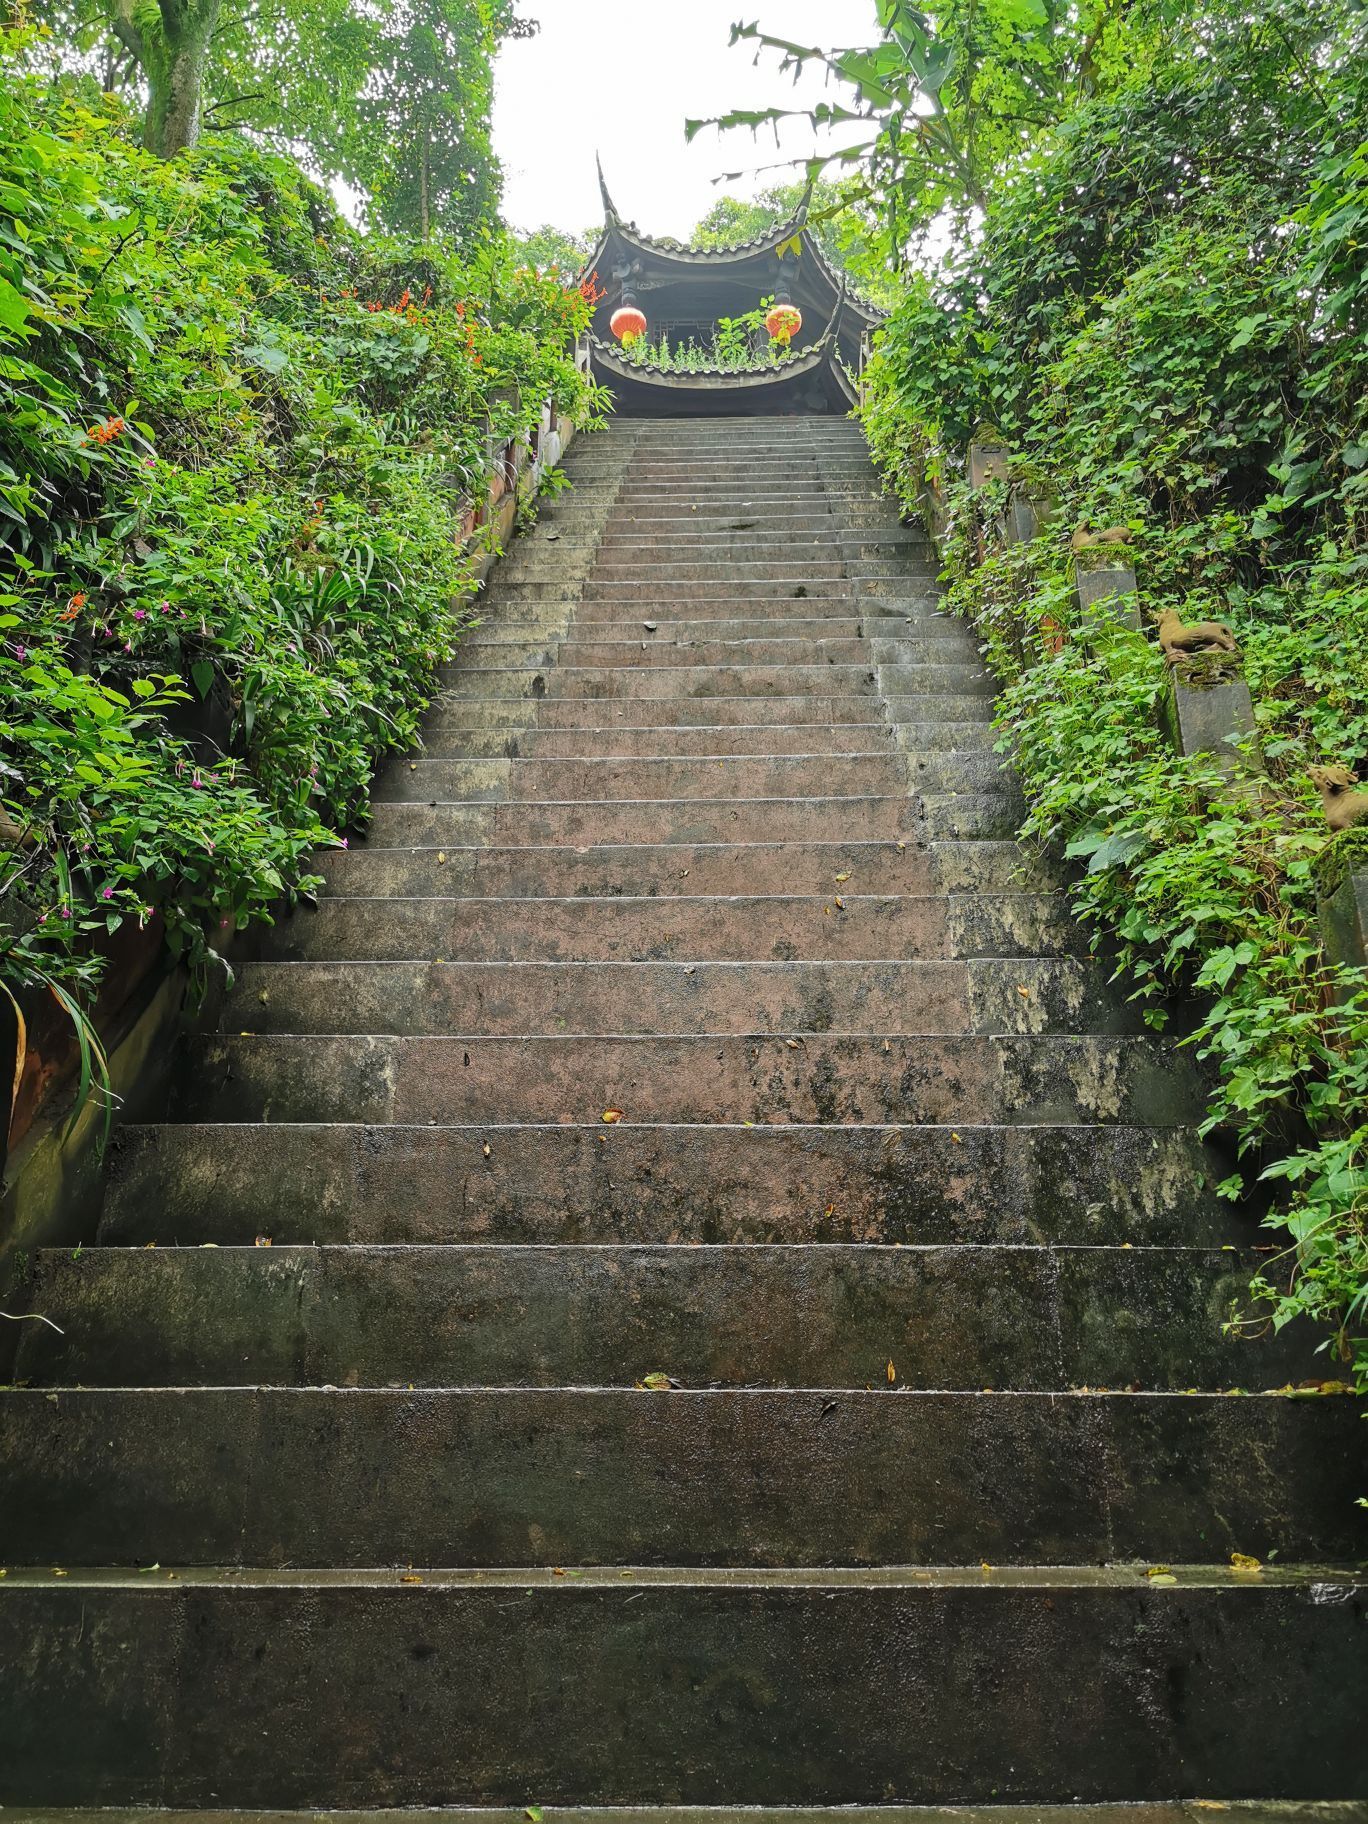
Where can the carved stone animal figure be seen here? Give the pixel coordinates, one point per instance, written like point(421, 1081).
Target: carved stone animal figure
point(1343, 806)
point(1180, 642)
point(1085, 540)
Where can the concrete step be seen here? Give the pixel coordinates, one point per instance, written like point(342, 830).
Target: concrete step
point(650, 869)
point(706, 615)
point(1101, 1184)
point(1245, 1812)
point(673, 927)
point(818, 535)
point(494, 1477)
point(579, 649)
point(662, 683)
point(814, 518)
point(654, 821)
point(743, 509)
point(823, 1315)
point(443, 742)
point(1010, 1684)
point(983, 995)
point(888, 639)
point(806, 711)
point(827, 1078)
point(666, 683)
point(619, 778)
point(805, 566)
point(509, 629)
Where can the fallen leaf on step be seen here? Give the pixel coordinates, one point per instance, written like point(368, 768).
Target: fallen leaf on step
point(441, 860)
point(535, 1813)
point(1241, 1561)
point(829, 1211)
point(657, 1382)
point(793, 1044)
point(650, 626)
point(410, 1577)
point(843, 877)
point(262, 1241)
point(891, 1372)
point(611, 1116)
point(488, 1149)
point(955, 1137)
point(840, 903)
point(1159, 1570)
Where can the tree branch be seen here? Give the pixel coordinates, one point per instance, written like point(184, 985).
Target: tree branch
point(234, 100)
point(126, 30)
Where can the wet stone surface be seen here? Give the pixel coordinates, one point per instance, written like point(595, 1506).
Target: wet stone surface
point(680, 1283)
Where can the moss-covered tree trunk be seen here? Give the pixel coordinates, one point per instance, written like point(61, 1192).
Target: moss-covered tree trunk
point(170, 39)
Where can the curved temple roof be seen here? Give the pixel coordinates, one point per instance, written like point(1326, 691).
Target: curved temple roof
point(813, 380)
point(700, 284)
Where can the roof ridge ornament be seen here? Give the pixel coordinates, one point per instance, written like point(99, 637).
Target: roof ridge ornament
point(609, 209)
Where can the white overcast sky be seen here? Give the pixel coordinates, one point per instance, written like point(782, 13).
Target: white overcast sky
point(602, 76)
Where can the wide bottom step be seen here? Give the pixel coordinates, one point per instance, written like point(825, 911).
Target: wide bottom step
point(670, 1687)
point(1240, 1811)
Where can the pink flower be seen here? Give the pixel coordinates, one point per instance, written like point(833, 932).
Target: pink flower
point(345, 844)
point(21, 653)
point(140, 614)
point(108, 893)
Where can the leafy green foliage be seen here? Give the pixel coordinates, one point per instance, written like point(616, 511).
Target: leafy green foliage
point(835, 219)
point(949, 98)
point(393, 95)
point(1162, 312)
point(236, 443)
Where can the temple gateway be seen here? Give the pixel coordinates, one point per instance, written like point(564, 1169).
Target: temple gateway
point(654, 335)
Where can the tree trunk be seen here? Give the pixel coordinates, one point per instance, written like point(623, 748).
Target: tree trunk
point(172, 46)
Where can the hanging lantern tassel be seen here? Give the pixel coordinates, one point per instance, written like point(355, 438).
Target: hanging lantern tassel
point(628, 323)
point(783, 322)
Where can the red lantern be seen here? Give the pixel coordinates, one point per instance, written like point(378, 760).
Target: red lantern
point(783, 322)
point(628, 323)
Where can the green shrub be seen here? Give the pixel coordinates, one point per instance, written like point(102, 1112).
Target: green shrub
point(236, 440)
point(1165, 316)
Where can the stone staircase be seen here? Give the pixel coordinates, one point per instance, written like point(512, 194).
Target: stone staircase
point(849, 1423)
